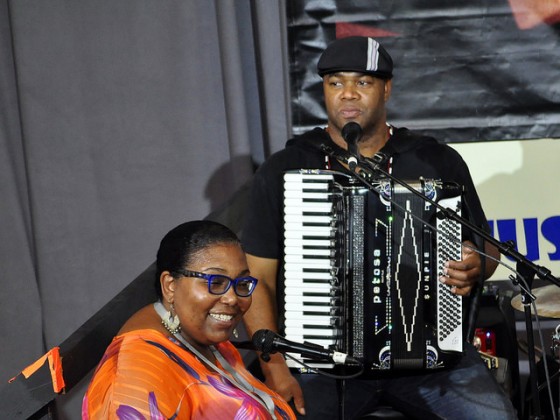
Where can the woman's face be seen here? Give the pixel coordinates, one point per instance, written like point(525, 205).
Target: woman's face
point(208, 319)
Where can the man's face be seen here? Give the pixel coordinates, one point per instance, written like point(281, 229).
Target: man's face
point(357, 97)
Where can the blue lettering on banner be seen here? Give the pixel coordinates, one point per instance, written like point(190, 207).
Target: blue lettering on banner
point(549, 228)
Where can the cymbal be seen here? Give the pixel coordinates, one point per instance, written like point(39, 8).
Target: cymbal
point(547, 302)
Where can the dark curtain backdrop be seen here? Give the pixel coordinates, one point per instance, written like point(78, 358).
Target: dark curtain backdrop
point(118, 121)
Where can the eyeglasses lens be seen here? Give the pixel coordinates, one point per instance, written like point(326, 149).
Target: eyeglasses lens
point(244, 286)
point(218, 284)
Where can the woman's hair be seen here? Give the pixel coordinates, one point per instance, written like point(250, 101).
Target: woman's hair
point(181, 244)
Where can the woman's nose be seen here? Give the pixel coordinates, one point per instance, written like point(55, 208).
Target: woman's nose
point(230, 297)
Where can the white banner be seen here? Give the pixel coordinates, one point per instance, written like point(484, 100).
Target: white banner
point(519, 185)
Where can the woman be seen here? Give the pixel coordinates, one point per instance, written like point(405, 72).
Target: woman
point(172, 359)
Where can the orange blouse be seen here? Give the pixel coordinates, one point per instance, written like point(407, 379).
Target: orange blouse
point(146, 375)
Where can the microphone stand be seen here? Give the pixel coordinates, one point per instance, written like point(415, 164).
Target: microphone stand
point(341, 390)
point(526, 269)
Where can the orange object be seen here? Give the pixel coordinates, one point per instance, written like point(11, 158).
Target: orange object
point(55, 366)
point(145, 374)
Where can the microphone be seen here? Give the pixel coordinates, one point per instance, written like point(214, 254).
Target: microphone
point(352, 133)
point(268, 341)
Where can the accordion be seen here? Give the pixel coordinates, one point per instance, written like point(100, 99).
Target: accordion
point(362, 267)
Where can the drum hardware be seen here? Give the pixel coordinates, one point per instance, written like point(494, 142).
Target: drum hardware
point(555, 347)
point(547, 301)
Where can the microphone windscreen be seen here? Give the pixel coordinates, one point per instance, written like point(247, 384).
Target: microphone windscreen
point(351, 132)
point(263, 340)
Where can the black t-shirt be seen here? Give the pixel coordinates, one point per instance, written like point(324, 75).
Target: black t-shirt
point(411, 157)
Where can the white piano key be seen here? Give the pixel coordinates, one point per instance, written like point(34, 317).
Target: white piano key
point(297, 219)
point(300, 297)
point(295, 299)
point(295, 305)
point(299, 235)
point(311, 192)
point(303, 219)
point(308, 261)
point(320, 202)
point(323, 230)
point(315, 298)
point(312, 332)
point(325, 207)
point(310, 196)
point(297, 292)
point(300, 303)
point(302, 279)
point(319, 307)
point(325, 323)
point(302, 272)
point(308, 271)
point(313, 195)
point(307, 251)
point(298, 277)
point(310, 282)
point(321, 208)
point(298, 268)
point(307, 309)
point(308, 178)
point(297, 321)
point(297, 229)
point(301, 177)
point(297, 242)
point(314, 286)
point(300, 339)
point(310, 264)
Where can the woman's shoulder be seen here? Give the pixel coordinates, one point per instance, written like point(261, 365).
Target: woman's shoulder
point(129, 343)
point(145, 318)
point(141, 355)
point(129, 376)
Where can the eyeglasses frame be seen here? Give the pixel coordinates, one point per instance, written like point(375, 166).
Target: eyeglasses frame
point(209, 277)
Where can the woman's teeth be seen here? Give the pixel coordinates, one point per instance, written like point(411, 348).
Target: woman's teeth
point(222, 317)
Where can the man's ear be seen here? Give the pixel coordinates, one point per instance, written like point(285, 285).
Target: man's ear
point(168, 285)
point(388, 88)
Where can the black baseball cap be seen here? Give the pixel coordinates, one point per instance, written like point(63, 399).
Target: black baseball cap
point(356, 53)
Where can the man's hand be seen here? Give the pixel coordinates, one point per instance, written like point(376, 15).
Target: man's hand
point(279, 378)
point(463, 275)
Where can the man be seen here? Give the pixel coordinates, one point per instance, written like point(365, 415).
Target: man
point(357, 73)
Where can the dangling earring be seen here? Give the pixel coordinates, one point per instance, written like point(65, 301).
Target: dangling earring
point(235, 333)
point(171, 321)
